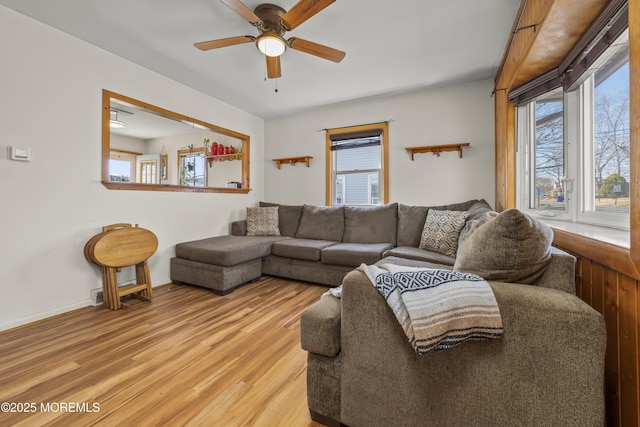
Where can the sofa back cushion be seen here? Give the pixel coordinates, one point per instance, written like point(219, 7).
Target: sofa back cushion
point(511, 247)
point(321, 223)
point(411, 220)
point(289, 218)
point(370, 224)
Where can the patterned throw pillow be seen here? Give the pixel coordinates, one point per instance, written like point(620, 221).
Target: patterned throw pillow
point(263, 221)
point(442, 230)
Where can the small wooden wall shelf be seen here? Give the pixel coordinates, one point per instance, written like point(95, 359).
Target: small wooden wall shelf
point(293, 160)
point(437, 149)
point(223, 157)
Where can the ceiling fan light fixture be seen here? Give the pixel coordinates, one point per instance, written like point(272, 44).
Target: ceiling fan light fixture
point(271, 44)
point(114, 122)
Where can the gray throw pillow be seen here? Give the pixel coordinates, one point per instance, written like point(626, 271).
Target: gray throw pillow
point(512, 247)
point(262, 221)
point(442, 230)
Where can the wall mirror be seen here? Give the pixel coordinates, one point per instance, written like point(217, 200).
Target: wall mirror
point(145, 147)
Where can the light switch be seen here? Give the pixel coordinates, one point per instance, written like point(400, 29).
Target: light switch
point(19, 153)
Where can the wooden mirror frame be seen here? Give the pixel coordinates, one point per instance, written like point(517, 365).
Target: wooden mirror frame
point(106, 149)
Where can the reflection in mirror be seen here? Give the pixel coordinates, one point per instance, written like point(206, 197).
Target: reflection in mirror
point(141, 142)
point(193, 167)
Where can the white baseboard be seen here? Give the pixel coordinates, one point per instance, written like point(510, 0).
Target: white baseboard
point(44, 314)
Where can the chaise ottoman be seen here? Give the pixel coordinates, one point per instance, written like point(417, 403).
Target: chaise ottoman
point(221, 263)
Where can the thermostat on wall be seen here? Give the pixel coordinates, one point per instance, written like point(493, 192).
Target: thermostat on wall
point(18, 153)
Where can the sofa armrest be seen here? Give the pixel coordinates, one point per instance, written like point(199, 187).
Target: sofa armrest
point(560, 273)
point(547, 368)
point(239, 228)
point(320, 327)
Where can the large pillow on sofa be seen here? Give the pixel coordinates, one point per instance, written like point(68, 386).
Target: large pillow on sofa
point(289, 218)
point(370, 224)
point(442, 230)
point(262, 221)
point(411, 220)
point(512, 247)
point(321, 223)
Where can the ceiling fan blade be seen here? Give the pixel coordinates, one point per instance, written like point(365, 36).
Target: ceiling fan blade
point(238, 7)
point(316, 49)
point(229, 41)
point(302, 11)
point(273, 67)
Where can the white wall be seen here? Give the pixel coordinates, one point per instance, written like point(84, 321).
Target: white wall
point(50, 101)
point(448, 115)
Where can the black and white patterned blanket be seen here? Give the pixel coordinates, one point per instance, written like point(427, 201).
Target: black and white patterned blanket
point(437, 309)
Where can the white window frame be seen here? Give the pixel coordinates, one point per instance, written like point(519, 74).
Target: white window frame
point(579, 162)
point(331, 163)
point(125, 156)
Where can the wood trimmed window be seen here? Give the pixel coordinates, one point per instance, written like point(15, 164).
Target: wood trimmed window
point(358, 165)
point(122, 165)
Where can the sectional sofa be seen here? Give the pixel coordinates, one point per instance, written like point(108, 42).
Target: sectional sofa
point(546, 369)
point(318, 244)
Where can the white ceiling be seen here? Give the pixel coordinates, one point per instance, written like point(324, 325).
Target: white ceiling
point(392, 47)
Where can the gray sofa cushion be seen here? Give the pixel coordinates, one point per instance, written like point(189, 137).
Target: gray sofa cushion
point(370, 224)
point(463, 206)
point(321, 223)
point(512, 247)
point(411, 220)
point(478, 208)
point(289, 218)
point(409, 252)
point(226, 250)
point(300, 248)
point(354, 254)
point(413, 263)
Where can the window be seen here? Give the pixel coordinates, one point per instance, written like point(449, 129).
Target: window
point(608, 119)
point(357, 165)
point(574, 146)
point(548, 165)
point(122, 165)
point(192, 167)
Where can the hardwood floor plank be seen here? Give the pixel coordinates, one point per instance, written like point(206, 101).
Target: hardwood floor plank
point(189, 358)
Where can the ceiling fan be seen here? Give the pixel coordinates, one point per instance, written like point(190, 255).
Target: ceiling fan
point(273, 21)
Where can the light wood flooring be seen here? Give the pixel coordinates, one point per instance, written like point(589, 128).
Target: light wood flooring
point(189, 358)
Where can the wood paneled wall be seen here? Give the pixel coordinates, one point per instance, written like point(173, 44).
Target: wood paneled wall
point(607, 276)
point(617, 297)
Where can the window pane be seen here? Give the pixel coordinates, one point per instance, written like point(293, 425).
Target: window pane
point(148, 171)
point(356, 189)
point(549, 152)
point(357, 171)
point(611, 135)
point(119, 170)
point(193, 170)
point(358, 158)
